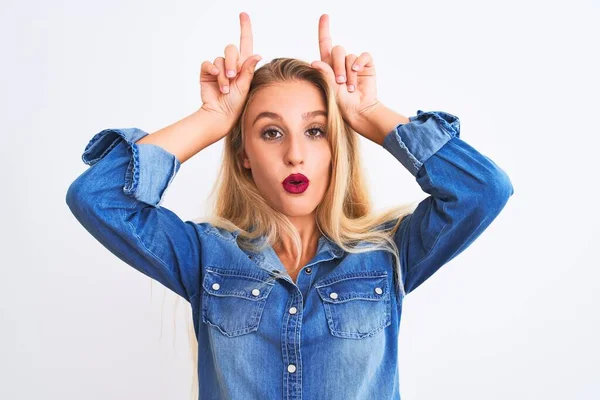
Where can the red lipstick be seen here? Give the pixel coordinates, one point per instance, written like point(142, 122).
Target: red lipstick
point(295, 183)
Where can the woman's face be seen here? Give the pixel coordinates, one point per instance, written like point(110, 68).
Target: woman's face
point(284, 133)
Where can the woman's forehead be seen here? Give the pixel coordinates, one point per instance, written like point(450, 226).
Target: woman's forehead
point(288, 100)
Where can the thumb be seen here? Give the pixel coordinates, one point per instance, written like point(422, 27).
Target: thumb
point(326, 70)
point(247, 71)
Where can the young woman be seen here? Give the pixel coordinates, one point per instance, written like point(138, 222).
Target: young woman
point(296, 286)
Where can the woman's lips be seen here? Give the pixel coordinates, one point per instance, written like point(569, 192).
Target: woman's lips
point(295, 188)
point(295, 183)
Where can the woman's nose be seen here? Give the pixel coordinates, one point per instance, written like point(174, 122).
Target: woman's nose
point(294, 153)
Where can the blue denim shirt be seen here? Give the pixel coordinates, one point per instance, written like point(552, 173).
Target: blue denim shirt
point(332, 334)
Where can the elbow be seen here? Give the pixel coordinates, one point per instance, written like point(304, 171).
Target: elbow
point(502, 186)
point(498, 191)
point(77, 198)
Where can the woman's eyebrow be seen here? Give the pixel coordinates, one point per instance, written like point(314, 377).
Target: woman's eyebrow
point(272, 115)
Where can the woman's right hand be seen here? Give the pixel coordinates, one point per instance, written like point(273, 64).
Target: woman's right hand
point(223, 95)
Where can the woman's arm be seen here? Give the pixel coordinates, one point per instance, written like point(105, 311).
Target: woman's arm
point(467, 191)
point(189, 136)
point(117, 200)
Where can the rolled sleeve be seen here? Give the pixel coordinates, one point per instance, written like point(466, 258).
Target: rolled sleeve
point(151, 168)
point(414, 142)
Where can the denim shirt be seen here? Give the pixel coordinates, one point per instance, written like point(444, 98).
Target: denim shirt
point(332, 334)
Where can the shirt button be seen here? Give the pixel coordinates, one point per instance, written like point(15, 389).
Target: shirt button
point(308, 270)
point(255, 292)
point(378, 290)
point(333, 295)
point(291, 368)
point(275, 271)
point(216, 286)
point(293, 310)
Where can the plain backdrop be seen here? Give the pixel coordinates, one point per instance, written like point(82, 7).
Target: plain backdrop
point(515, 316)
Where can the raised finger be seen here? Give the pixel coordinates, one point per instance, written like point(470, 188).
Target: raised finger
point(324, 39)
point(364, 60)
point(246, 38)
point(221, 78)
point(231, 60)
point(338, 56)
point(350, 74)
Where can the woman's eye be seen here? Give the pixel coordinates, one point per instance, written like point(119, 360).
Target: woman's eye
point(316, 130)
point(313, 133)
point(267, 136)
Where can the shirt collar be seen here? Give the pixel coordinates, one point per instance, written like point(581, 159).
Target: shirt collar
point(327, 250)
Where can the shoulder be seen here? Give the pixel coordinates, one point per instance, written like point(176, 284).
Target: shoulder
point(207, 228)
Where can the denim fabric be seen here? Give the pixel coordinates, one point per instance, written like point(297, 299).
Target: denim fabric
point(332, 334)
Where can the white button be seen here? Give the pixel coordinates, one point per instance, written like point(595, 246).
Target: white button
point(333, 295)
point(378, 290)
point(216, 286)
point(255, 292)
point(293, 310)
point(291, 368)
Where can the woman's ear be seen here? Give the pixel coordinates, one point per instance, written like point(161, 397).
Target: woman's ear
point(245, 160)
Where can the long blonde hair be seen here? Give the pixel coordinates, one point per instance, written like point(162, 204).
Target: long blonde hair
point(345, 215)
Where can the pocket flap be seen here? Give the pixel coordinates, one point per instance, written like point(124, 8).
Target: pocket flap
point(363, 285)
point(236, 283)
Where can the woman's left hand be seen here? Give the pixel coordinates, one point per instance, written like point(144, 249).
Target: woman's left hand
point(352, 77)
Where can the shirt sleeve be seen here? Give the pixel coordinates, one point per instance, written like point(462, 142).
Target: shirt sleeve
point(467, 192)
point(117, 200)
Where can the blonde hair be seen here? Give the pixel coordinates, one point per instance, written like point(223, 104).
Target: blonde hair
point(345, 215)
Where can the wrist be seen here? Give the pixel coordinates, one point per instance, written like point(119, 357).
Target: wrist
point(380, 121)
point(213, 121)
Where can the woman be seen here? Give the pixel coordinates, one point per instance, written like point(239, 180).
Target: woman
point(296, 287)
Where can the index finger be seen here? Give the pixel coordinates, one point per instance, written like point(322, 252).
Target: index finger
point(324, 39)
point(245, 37)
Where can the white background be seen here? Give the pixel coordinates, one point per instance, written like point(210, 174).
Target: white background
point(515, 316)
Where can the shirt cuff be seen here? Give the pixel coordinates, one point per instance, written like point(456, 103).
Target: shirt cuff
point(151, 168)
point(414, 142)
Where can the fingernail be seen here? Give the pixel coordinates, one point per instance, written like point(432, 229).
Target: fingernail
point(355, 67)
point(230, 73)
point(341, 78)
point(215, 70)
point(351, 88)
point(225, 89)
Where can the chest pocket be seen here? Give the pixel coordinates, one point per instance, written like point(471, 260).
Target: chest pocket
point(357, 305)
point(233, 300)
